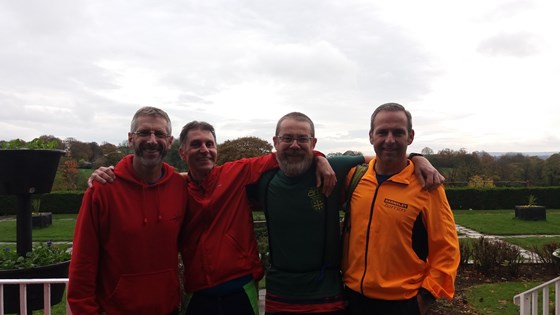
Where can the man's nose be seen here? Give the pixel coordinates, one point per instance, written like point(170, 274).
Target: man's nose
point(294, 144)
point(203, 148)
point(152, 138)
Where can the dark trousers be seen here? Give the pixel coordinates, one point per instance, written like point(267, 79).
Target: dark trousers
point(361, 305)
point(235, 303)
point(323, 313)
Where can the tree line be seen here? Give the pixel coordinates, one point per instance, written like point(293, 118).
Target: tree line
point(475, 169)
point(481, 169)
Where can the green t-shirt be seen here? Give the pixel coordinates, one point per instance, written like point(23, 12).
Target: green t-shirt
point(304, 232)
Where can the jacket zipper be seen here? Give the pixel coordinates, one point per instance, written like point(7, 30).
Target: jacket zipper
point(367, 239)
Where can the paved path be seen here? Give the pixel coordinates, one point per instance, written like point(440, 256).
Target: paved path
point(527, 255)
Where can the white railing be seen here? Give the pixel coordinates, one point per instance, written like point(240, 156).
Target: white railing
point(528, 301)
point(23, 293)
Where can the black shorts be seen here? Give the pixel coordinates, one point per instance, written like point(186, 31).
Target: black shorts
point(242, 301)
point(362, 305)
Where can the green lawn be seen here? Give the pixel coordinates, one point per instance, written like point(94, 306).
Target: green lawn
point(530, 242)
point(497, 298)
point(62, 229)
point(498, 222)
point(503, 222)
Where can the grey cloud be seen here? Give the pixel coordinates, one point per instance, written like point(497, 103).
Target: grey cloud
point(512, 44)
point(509, 9)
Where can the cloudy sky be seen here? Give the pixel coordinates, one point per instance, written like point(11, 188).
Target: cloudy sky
point(479, 75)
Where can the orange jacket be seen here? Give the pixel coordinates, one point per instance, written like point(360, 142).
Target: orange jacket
point(379, 259)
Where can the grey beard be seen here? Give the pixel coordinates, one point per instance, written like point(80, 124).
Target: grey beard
point(139, 152)
point(295, 169)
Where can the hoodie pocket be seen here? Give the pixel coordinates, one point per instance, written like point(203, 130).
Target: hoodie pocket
point(147, 293)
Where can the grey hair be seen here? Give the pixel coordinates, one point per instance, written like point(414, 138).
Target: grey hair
point(150, 111)
point(299, 117)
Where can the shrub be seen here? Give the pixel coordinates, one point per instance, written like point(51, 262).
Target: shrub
point(494, 257)
point(465, 248)
point(545, 254)
point(41, 255)
point(261, 233)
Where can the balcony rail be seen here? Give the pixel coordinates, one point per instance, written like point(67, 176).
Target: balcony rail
point(23, 293)
point(528, 301)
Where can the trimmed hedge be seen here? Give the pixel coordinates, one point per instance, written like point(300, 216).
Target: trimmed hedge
point(63, 202)
point(501, 197)
point(459, 198)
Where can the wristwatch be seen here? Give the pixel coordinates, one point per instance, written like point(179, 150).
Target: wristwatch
point(411, 155)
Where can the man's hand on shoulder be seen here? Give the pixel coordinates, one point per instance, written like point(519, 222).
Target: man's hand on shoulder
point(427, 174)
point(325, 175)
point(102, 175)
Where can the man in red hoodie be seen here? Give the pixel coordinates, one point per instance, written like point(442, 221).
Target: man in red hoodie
point(124, 257)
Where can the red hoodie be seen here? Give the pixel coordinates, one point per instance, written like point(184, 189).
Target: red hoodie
point(219, 243)
point(124, 257)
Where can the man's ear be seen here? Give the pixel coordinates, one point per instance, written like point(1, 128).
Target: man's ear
point(410, 137)
point(169, 142)
point(182, 154)
point(275, 141)
point(371, 136)
point(313, 143)
point(130, 139)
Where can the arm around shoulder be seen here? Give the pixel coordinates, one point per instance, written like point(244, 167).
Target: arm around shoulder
point(427, 174)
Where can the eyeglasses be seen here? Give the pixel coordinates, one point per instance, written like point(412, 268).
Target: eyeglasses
point(290, 139)
point(148, 133)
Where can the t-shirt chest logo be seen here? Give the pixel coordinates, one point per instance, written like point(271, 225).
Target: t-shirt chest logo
point(316, 199)
point(395, 205)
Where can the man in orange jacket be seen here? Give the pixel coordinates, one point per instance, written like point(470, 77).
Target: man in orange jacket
point(401, 248)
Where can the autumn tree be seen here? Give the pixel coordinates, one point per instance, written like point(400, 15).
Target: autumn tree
point(244, 147)
point(70, 174)
point(79, 151)
point(427, 151)
point(174, 159)
point(477, 181)
point(551, 170)
point(96, 151)
point(107, 148)
point(110, 155)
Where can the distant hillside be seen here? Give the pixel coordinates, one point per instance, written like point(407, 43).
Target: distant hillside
point(542, 155)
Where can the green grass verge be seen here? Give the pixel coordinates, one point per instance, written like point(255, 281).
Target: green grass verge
point(58, 309)
point(62, 229)
point(503, 222)
point(497, 298)
point(530, 242)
